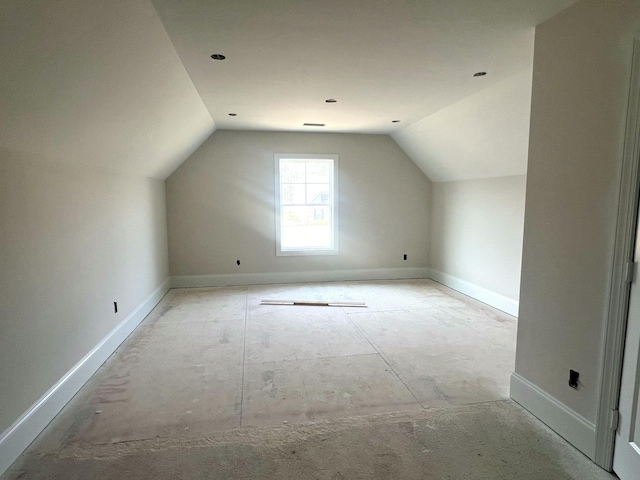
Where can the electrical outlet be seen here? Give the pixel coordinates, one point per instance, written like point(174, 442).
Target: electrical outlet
point(573, 379)
point(238, 262)
point(405, 256)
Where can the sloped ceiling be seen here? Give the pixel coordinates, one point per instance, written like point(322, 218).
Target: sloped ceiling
point(96, 83)
point(130, 85)
point(481, 136)
point(382, 60)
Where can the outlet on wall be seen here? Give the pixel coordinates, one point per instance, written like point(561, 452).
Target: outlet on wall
point(405, 256)
point(573, 379)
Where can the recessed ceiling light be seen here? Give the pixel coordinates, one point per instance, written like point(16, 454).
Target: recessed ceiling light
point(395, 121)
point(313, 124)
point(331, 100)
point(479, 74)
point(218, 56)
point(233, 114)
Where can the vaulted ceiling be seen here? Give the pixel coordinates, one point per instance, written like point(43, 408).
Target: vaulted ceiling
point(97, 83)
point(131, 85)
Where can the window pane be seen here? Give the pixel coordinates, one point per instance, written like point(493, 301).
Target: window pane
point(306, 206)
point(291, 171)
point(292, 194)
point(318, 194)
point(306, 227)
point(319, 171)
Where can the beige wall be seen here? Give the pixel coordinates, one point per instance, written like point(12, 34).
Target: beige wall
point(581, 77)
point(476, 232)
point(220, 205)
point(72, 241)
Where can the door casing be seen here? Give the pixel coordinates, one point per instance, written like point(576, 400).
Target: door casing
point(620, 286)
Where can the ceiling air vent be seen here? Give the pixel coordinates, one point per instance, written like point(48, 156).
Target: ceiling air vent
point(313, 124)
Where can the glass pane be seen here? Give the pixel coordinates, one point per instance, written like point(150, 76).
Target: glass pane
point(318, 194)
point(292, 194)
point(306, 227)
point(319, 171)
point(291, 171)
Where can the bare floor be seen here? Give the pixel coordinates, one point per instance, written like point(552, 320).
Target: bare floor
point(215, 385)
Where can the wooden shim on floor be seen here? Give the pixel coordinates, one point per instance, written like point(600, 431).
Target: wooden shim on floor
point(313, 303)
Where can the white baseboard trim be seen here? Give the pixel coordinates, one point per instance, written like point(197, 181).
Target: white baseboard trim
point(570, 425)
point(230, 279)
point(506, 304)
point(19, 436)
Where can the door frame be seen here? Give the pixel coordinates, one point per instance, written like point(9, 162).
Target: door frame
point(625, 234)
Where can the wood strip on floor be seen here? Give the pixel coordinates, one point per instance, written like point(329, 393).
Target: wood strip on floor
point(312, 303)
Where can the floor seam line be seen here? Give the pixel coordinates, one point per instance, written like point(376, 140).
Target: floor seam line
point(244, 353)
point(387, 363)
point(392, 310)
point(315, 358)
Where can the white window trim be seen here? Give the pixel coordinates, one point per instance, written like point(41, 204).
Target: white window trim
point(334, 209)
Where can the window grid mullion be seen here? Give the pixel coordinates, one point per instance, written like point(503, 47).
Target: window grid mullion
point(306, 198)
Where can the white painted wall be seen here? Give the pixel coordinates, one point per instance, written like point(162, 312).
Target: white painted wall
point(485, 135)
point(73, 240)
point(475, 152)
point(220, 205)
point(476, 232)
point(580, 90)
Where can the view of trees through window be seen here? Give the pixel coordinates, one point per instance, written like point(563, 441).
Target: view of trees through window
point(306, 204)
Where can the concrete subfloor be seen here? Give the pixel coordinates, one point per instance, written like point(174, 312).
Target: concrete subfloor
point(215, 385)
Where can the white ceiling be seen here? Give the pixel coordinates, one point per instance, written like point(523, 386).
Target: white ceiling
point(96, 83)
point(481, 136)
point(125, 86)
point(380, 59)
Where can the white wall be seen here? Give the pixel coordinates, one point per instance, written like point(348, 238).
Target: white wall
point(476, 232)
point(581, 78)
point(220, 205)
point(72, 241)
point(484, 135)
point(475, 152)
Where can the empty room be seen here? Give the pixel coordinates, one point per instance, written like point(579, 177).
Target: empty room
point(319, 240)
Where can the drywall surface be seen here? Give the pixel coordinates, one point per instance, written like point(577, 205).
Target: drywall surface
point(220, 205)
point(72, 241)
point(580, 90)
point(476, 232)
point(392, 59)
point(487, 134)
point(98, 83)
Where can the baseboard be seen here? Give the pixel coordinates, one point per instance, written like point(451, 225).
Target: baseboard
point(570, 425)
point(506, 304)
point(225, 280)
point(17, 438)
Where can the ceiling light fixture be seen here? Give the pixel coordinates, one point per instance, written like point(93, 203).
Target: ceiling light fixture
point(331, 100)
point(480, 74)
point(313, 124)
point(218, 56)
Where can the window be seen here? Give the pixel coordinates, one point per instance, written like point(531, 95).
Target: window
point(306, 206)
